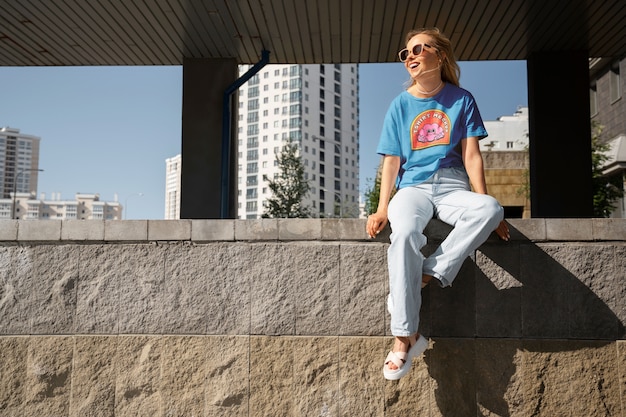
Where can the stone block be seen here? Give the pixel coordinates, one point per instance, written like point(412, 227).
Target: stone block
point(167, 230)
point(362, 289)
point(13, 372)
point(453, 309)
point(101, 270)
point(228, 381)
point(569, 229)
point(191, 274)
point(609, 229)
point(8, 230)
point(315, 376)
point(80, 230)
point(499, 377)
point(595, 301)
point(206, 289)
point(621, 370)
point(361, 383)
point(183, 375)
point(138, 378)
point(272, 373)
point(527, 229)
point(498, 291)
point(313, 270)
point(451, 364)
point(573, 378)
point(344, 229)
point(126, 230)
point(260, 229)
point(47, 385)
point(580, 275)
point(93, 376)
point(299, 229)
point(272, 289)
point(50, 275)
point(545, 292)
point(14, 291)
point(142, 285)
point(212, 230)
point(38, 231)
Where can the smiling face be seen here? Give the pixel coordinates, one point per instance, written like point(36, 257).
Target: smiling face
point(427, 59)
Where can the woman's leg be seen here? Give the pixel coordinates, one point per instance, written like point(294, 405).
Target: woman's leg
point(410, 211)
point(474, 216)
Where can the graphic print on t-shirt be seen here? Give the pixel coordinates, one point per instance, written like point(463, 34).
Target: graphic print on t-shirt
point(430, 128)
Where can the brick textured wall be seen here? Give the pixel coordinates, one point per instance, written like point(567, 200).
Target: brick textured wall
point(288, 318)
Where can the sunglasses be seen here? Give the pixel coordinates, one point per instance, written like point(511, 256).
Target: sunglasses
point(417, 49)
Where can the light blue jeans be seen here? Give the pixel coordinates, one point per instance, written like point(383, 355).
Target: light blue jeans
point(447, 196)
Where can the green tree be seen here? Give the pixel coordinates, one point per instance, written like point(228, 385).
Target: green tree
point(372, 195)
point(290, 187)
point(606, 190)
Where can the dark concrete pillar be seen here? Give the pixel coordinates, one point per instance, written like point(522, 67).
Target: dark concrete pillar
point(204, 83)
point(559, 134)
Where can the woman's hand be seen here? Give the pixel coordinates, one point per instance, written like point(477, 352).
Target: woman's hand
point(503, 231)
point(376, 223)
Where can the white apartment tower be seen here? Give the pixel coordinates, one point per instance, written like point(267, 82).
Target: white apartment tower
point(172, 187)
point(19, 162)
point(315, 106)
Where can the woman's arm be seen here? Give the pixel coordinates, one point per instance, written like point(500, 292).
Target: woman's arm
point(473, 161)
point(377, 221)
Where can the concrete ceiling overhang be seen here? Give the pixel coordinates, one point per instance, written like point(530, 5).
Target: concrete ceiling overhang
point(164, 32)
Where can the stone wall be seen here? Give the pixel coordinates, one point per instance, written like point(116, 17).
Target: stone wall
point(288, 318)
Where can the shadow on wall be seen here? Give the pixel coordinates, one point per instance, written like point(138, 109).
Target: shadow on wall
point(519, 322)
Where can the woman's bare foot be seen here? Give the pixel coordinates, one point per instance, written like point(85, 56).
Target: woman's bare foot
point(402, 344)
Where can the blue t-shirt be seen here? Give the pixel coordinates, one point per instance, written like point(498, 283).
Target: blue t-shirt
point(426, 133)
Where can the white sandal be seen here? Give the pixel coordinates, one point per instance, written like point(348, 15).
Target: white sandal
point(403, 360)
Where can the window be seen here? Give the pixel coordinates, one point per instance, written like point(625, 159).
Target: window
point(253, 104)
point(252, 168)
point(253, 92)
point(251, 193)
point(295, 122)
point(253, 155)
point(614, 82)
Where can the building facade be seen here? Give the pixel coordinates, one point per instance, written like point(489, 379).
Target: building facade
point(505, 154)
point(172, 187)
point(84, 207)
point(19, 174)
point(314, 106)
point(507, 133)
point(19, 162)
point(608, 111)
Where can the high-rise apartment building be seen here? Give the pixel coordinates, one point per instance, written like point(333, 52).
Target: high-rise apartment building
point(172, 187)
point(314, 106)
point(19, 172)
point(19, 162)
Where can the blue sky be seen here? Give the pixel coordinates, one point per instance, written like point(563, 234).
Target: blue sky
point(108, 130)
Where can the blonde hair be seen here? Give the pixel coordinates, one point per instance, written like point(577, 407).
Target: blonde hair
point(450, 71)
